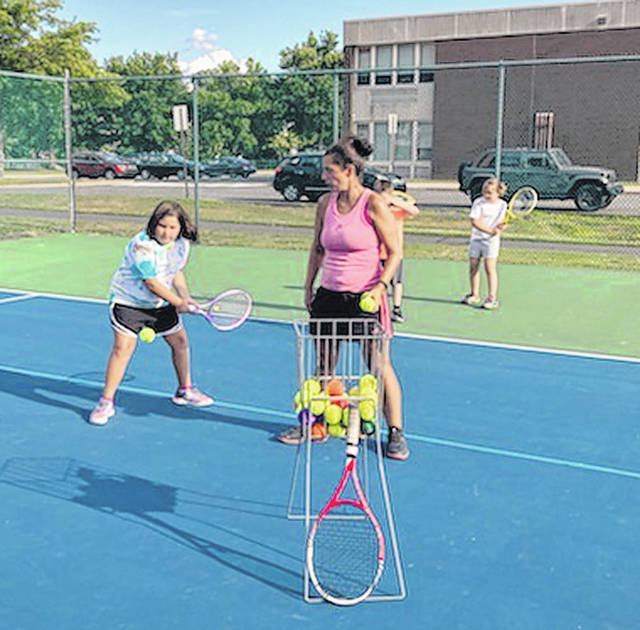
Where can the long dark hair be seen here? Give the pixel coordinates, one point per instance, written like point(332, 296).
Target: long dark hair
point(172, 208)
point(350, 149)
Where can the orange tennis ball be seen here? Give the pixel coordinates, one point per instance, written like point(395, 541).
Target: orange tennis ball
point(335, 387)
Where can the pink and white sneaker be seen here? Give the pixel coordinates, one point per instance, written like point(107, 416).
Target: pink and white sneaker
point(191, 396)
point(102, 412)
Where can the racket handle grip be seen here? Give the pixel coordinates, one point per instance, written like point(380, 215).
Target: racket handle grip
point(192, 308)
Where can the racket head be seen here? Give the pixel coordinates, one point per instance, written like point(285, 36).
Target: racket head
point(522, 202)
point(228, 309)
point(345, 549)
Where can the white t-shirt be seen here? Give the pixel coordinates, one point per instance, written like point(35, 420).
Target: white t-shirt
point(145, 258)
point(491, 214)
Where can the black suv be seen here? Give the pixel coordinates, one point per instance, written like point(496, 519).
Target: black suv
point(301, 175)
point(549, 171)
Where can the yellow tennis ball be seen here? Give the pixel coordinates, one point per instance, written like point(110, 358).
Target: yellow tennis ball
point(368, 303)
point(317, 407)
point(147, 334)
point(354, 391)
point(336, 430)
point(369, 381)
point(333, 414)
point(310, 388)
point(367, 410)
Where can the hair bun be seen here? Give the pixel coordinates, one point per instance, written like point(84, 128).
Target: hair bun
point(361, 146)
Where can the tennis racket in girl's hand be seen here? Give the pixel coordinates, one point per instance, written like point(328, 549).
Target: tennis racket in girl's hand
point(345, 546)
point(521, 204)
point(227, 310)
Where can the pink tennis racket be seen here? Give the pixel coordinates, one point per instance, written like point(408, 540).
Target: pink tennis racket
point(227, 310)
point(345, 547)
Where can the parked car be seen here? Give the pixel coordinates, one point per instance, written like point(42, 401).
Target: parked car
point(101, 164)
point(227, 165)
point(161, 165)
point(301, 176)
point(550, 172)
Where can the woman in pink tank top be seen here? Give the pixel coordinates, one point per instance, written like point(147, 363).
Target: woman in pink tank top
point(352, 222)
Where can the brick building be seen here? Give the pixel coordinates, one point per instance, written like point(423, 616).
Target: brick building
point(413, 97)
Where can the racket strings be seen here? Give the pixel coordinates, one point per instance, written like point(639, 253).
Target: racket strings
point(229, 309)
point(345, 553)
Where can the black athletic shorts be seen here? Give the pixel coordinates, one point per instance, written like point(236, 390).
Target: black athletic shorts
point(329, 304)
point(130, 320)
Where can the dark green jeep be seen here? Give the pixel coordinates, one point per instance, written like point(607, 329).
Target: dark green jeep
point(549, 171)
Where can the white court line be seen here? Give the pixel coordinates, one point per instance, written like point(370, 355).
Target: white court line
point(290, 416)
point(17, 298)
point(456, 340)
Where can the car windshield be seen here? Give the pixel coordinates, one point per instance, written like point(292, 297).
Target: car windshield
point(561, 157)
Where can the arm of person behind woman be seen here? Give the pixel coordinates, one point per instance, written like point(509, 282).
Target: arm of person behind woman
point(316, 253)
point(387, 228)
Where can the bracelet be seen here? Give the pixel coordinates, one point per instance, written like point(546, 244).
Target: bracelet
point(384, 284)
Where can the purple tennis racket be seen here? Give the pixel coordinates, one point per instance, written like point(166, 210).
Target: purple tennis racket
point(227, 310)
point(345, 547)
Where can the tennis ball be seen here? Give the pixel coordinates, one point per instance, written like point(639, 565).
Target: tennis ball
point(354, 391)
point(336, 430)
point(147, 334)
point(368, 303)
point(367, 410)
point(297, 402)
point(335, 387)
point(333, 414)
point(369, 381)
point(368, 427)
point(317, 407)
point(310, 388)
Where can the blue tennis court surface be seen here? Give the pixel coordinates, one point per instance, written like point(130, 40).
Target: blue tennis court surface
point(518, 508)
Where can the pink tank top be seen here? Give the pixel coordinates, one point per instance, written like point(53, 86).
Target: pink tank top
point(351, 247)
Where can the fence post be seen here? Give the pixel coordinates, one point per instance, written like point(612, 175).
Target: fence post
point(336, 123)
point(500, 120)
point(67, 148)
point(196, 151)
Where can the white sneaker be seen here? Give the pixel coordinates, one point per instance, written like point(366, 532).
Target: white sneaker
point(102, 412)
point(490, 305)
point(192, 396)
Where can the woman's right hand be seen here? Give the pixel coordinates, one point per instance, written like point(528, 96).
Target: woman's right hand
point(308, 297)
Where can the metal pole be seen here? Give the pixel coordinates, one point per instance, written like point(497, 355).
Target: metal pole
point(67, 148)
point(196, 151)
point(336, 117)
point(500, 121)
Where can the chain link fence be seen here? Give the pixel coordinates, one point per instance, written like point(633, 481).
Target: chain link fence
point(561, 126)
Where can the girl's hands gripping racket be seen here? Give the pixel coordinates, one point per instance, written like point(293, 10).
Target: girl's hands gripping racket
point(521, 204)
point(227, 310)
point(345, 547)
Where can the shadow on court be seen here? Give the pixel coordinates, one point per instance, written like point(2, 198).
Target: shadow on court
point(169, 511)
point(57, 394)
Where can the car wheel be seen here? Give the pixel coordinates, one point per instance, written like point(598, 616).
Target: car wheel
point(109, 174)
point(476, 190)
point(589, 197)
point(291, 192)
point(245, 175)
point(607, 200)
point(145, 173)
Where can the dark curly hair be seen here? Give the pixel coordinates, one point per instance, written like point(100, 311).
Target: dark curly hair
point(350, 149)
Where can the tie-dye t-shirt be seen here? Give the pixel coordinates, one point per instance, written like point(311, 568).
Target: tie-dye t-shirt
point(146, 258)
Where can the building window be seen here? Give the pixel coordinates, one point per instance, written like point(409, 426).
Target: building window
point(362, 130)
point(403, 141)
point(406, 63)
point(384, 62)
point(425, 140)
point(364, 63)
point(381, 142)
point(427, 58)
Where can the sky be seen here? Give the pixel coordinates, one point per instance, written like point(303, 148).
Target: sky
point(205, 33)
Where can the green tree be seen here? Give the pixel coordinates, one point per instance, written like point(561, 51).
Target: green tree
point(236, 112)
point(304, 104)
